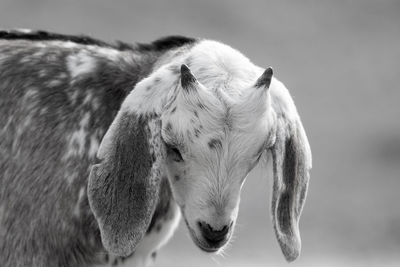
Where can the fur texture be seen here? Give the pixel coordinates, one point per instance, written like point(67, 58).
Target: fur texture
point(104, 145)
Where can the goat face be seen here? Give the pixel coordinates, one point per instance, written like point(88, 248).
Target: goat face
point(211, 147)
point(207, 137)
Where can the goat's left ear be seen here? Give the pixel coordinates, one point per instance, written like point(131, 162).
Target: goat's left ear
point(291, 156)
point(123, 187)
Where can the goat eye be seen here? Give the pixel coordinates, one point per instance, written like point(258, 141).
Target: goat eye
point(174, 153)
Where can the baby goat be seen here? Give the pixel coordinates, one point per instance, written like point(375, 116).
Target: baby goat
point(104, 146)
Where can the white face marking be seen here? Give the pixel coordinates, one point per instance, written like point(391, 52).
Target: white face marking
point(219, 144)
point(80, 63)
point(220, 132)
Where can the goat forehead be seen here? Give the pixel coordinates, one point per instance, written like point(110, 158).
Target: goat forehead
point(212, 129)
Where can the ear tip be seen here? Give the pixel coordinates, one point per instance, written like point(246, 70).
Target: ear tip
point(184, 68)
point(187, 77)
point(291, 247)
point(265, 79)
point(292, 257)
point(118, 244)
point(269, 71)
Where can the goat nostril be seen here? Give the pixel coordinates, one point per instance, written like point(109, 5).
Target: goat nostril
point(212, 234)
point(200, 225)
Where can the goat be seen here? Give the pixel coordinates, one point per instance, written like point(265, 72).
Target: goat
point(103, 147)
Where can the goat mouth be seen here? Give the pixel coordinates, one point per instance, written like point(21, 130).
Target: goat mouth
point(206, 245)
point(207, 249)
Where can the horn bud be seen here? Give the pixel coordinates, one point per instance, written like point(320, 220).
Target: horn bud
point(187, 78)
point(265, 79)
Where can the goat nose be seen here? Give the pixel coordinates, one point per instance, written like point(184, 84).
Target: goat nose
point(212, 235)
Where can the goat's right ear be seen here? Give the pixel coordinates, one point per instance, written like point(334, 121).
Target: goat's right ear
point(123, 187)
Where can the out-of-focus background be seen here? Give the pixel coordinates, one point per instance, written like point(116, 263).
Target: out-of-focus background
point(341, 62)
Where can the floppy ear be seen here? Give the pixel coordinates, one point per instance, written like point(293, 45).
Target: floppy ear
point(123, 187)
point(291, 156)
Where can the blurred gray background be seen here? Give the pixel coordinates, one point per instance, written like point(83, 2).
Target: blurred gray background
point(341, 62)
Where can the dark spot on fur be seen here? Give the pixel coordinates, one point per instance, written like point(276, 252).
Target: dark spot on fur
point(168, 127)
point(167, 43)
point(152, 116)
point(154, 255)
point(214, 143)
point(173, 110)
point(177, 177)
point(201, 127)
point(158, 227)
point(157, 80)
point(196, 113)
point(148, 88)
point(115, 262)
point(228, 122)
point(196, 132)
point(201, 105)
point(159, 45)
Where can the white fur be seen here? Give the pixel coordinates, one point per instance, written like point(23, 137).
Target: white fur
point(77, 139)
point(225, 107)
point(80, 63)
point(219, 125)
point(155, 240)
point(77, 210)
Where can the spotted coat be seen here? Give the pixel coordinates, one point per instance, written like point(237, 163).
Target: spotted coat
point(58, 96)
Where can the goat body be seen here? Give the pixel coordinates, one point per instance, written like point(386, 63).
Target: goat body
point(103, 146)
point(58, 96)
